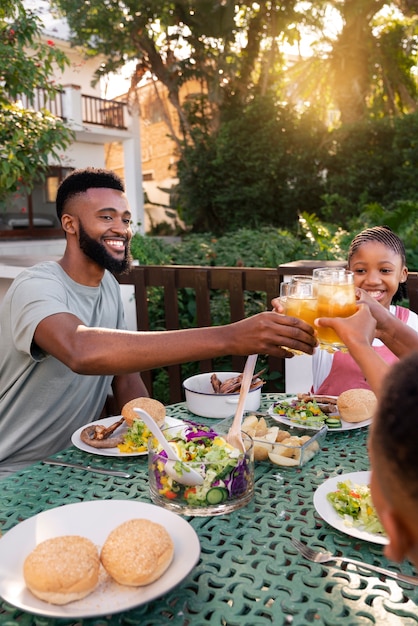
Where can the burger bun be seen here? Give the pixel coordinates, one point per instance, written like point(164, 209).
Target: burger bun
point(155, 408)
point(62, 569)
point(137, 552)
point(356, 405)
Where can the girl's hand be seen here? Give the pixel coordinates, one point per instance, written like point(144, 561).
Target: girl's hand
point(359, 328)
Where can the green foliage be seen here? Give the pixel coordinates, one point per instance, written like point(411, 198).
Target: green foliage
point(401, 217)
point(262, 167)
point(264, 247)
point(150, 250)
point(27, 138)
point(289, 165)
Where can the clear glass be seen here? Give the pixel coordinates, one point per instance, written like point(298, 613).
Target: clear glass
point(336, 298)
point(301, 300)
point(298, 299)
point(224, 489)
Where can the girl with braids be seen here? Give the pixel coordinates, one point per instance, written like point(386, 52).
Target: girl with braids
point(377, 258)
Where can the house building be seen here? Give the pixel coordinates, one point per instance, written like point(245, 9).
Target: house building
point(96, 122)
point(29, 229)
point(158, 124)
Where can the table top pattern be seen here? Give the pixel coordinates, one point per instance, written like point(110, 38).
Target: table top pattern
point(248, 573)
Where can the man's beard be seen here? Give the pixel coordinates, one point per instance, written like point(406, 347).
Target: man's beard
point(97, 252)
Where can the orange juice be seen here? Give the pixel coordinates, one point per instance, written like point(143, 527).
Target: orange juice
point(334, 301)
point(303, 308)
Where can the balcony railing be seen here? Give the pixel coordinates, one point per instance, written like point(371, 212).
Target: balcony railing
point(103, 112)
point(41, 99)
point(66, 103)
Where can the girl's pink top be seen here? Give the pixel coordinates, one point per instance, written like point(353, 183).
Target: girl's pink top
point(346, 374)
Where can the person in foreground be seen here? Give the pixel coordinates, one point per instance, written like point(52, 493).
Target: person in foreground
point(63, 337)
point(392, 439)
point(377, 258)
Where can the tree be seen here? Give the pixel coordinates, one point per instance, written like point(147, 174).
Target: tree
point(27, 138)
point(368, 67)
point(264, 166)
point(239, 160)
point(231, 47)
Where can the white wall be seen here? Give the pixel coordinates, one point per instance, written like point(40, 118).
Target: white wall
point(85, 155)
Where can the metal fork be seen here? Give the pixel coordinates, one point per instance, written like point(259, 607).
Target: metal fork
point(327, 557)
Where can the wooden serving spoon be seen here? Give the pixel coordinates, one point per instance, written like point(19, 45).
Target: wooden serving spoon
point(234, 436)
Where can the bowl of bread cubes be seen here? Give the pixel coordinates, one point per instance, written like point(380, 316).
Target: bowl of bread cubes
point(284, 446)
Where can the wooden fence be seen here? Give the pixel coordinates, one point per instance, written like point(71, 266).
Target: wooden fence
point(235, 281)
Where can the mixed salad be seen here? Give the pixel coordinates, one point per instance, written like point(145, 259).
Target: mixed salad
point(308, 413)
point(226, 471)
point(136, 438)
point(354, 504)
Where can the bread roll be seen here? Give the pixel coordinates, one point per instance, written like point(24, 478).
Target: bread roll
point(62, 569)
point(356, 405)
point(153, 407)
point(137, 552)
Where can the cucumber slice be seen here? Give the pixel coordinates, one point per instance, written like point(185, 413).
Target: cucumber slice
point(216, 495)
point(333, 422)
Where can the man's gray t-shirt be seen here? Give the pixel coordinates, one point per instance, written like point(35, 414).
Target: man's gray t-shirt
point(42, 402)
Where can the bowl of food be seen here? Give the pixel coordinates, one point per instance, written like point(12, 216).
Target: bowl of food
point(216, 394)
point(228, 473)
point(284, 446)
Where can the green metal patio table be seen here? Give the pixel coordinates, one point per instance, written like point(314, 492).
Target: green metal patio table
point(248, 572)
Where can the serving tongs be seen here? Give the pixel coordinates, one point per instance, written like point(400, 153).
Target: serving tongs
point(234, 436)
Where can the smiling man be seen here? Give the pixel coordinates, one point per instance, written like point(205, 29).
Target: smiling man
point(63, 337)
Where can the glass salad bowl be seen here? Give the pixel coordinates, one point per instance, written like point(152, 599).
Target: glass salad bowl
point(228, 474)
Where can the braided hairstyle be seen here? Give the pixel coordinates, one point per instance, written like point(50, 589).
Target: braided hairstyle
point(386, 236)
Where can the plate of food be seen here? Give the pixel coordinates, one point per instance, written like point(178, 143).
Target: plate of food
point(121, 441)
point(344, 502)
point(350, 410)
point(22, 547)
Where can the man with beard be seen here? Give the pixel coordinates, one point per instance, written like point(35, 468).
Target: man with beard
point(64, 342)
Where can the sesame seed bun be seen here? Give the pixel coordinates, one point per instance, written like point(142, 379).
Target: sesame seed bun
point(62, 569)
point(356, 405)
point(153, 407)
point(137, 552)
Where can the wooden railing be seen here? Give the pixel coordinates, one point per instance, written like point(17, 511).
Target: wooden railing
point(103, 112)
point(203, 279)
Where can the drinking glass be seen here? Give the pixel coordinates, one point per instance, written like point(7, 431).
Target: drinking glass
point(301, 300)
point(298, 298)
point(336, 298)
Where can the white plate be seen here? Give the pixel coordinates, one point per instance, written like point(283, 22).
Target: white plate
point(107, 421)
point(93, 520)
point(330, 515)
point(344, 425)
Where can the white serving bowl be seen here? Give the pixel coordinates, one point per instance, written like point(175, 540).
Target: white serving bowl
point(203, 401)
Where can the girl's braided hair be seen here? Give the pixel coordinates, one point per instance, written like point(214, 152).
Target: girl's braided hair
point(386, 236)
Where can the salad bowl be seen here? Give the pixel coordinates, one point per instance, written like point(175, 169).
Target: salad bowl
point(228, 473)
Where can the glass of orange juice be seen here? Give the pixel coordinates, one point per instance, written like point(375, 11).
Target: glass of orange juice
point(298, 299)
point(301, 299)
point(336, 298)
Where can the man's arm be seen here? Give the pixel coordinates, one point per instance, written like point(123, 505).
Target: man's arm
point(103, 351)
point(127, 387)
